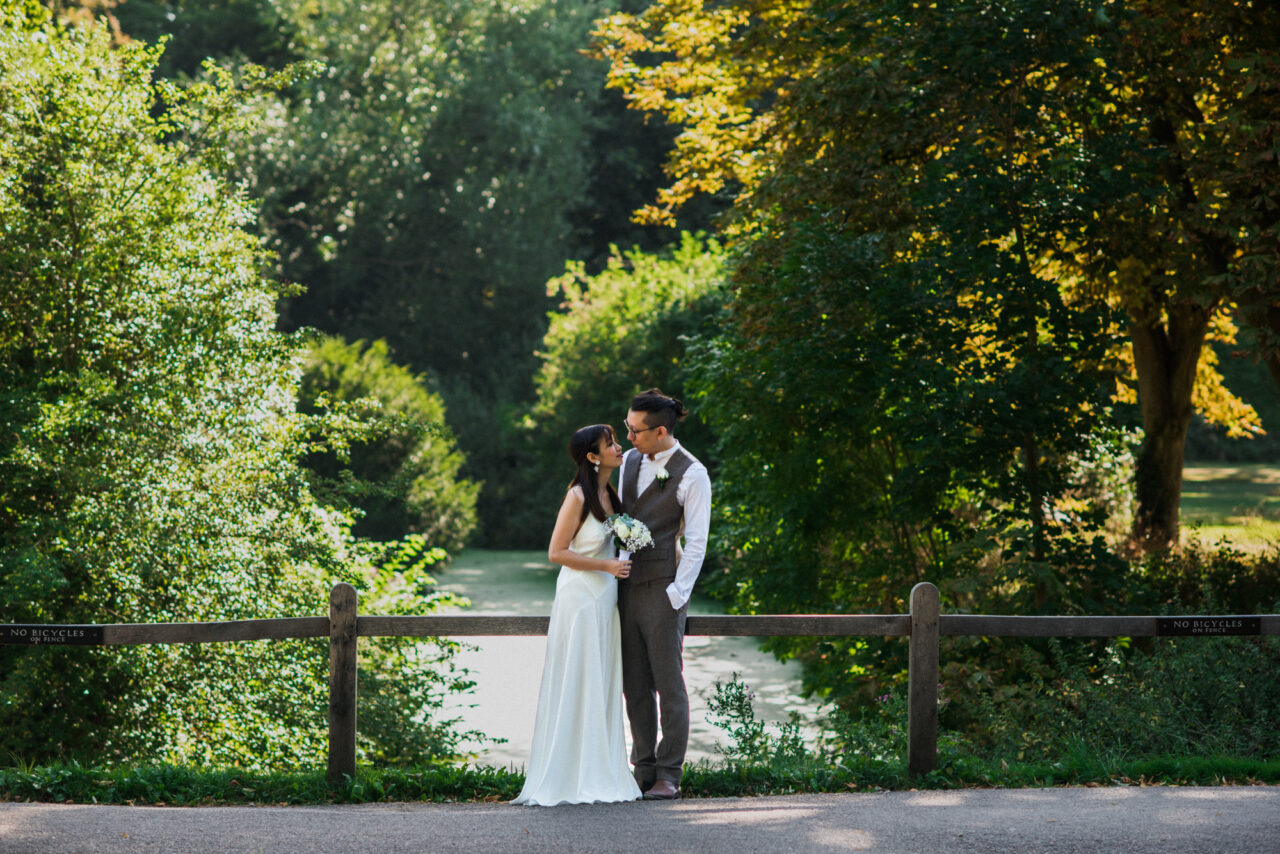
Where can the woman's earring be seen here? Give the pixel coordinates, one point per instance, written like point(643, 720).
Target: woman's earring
point(597, 466)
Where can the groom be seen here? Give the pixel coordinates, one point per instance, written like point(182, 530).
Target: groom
point(670, 491)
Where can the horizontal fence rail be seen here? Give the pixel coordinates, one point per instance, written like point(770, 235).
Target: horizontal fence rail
point(131, 634)
point(982, 625)
point(792, 625)
point(799, 625)
point(923, 627)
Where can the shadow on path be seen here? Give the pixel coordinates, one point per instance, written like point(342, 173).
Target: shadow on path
point(1156, 820)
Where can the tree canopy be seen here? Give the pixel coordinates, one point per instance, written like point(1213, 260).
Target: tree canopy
point(425, 185)
point(962, 234)
point(150, 438)
point(420, 186)
point(1131, 141)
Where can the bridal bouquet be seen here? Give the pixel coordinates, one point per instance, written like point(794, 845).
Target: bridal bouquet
point(629, 535)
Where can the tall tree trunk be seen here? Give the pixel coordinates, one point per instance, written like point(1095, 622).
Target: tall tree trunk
point(1165, 356)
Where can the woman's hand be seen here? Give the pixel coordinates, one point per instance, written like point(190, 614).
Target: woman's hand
point(618, 568)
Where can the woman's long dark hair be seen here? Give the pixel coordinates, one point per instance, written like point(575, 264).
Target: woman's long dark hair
point(586, 441)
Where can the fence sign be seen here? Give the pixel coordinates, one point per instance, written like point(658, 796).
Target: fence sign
point(47, 634)
point(1204, 626)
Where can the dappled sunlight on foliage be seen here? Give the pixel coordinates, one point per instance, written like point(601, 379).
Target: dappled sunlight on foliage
point(621, 330)
point(399, 471)
point(150, 443)
point(1121, 154)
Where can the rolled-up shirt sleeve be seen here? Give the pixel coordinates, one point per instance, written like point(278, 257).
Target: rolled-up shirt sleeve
point(696, 500)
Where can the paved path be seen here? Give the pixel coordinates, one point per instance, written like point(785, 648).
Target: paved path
point(1156, 820)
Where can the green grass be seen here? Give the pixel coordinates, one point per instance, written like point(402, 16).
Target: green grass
point(179, 785)
point(182, 785)
point(1235, 503)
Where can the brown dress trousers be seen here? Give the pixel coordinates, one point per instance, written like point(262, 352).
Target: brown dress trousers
point(653, 631)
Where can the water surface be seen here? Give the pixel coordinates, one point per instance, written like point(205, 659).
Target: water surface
point(507, 670)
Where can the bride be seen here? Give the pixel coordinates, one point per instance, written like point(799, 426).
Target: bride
point(579, 755)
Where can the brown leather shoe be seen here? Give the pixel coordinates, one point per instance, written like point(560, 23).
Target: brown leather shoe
point(663, 790)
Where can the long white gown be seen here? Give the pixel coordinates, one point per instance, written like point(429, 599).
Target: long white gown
point(579, 753)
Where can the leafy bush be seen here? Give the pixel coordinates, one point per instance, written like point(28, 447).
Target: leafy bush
point(149, 442)
point(731, 708)
point(401, 473)
point(1032, 698)
point(618, 332)
point(1169, 696)
point(403, 681)
point(148, 456)
point(1213, 579)
point(876, 731)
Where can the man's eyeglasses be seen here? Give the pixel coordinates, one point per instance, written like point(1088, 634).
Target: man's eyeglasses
point(631, 431)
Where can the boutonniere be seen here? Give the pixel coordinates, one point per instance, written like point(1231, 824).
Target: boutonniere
point(662, 476)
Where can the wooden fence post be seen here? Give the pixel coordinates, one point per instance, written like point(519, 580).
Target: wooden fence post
point(342, 681)
point(922, 682)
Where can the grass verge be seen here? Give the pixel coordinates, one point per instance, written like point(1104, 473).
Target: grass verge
point(180, 785)
point(160, 785)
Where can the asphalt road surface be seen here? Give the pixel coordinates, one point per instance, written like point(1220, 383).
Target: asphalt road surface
point(1127, 820)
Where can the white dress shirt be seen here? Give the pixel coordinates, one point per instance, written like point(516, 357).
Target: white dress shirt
point(694, 495)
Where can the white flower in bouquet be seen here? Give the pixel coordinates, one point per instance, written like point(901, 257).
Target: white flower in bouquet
point(629, 534)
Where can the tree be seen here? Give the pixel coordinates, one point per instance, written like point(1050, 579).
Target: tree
point(625, 329)
point(426, 186)
point(197, 30)
point(404, 477)
point(615, 333)
point(884, 422)
point(902, 388)
point(1166, 212)
point(148, 434)
point(421, 186)
point(1197, 235)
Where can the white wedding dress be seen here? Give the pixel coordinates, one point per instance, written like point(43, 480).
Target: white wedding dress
point(579, 754)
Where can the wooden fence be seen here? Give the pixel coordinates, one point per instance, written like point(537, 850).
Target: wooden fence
point(922, 626)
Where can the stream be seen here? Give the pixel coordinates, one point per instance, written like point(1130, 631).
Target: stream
point(508, 670)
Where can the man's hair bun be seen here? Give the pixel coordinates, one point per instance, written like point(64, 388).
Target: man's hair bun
point(660, 410)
